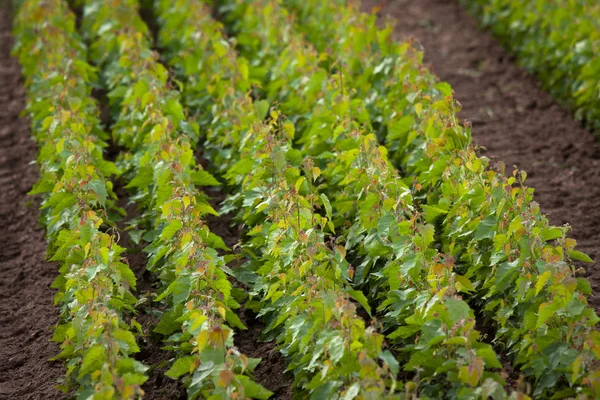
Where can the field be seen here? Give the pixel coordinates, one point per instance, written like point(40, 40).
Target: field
point(297, 199)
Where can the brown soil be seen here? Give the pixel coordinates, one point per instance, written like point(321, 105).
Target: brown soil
point(514, 120)
point(27, 313)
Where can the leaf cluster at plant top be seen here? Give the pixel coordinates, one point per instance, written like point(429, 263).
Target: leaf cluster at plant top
point(162, 174)
point(557, 40)
point(94, 285)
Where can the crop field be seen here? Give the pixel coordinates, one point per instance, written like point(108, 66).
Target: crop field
point(277, 199)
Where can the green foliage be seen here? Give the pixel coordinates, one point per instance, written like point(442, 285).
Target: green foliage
point(163, 174)
point(332, 227)
point(487, 222)
point(559, 41)
point(363, 185)
point(300, 282)
point(94, 286)
point(215, 79)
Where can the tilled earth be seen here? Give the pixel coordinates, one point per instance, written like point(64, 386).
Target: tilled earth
point(27, 313)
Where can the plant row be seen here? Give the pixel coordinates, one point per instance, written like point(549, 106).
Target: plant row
point(559, 41)
point(298, 280)
point(78, 207)
point(523, 284)
point(163, 177)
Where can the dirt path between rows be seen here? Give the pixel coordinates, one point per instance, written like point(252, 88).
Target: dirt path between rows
point(513, 119)
point(27, 313)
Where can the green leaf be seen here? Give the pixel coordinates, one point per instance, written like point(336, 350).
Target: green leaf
point(444, 88)
point(579, 256)
point(252, 389)
point(136, 235)
point(181, 366)
point(174, 108)
point(400, 128)
point(170, 230)
point(542, 279)
point(552, 233)
point(464, 282)
point(143, 178)
point(352, 391)
point(404, 332)
point(325, 391)
point(546, 311)
point(204, 178)
point(99, 187)
point(262, 108)
point(127, 274)
point(168, 323)
point(92, 360)
point(361, 299)
point(457, 309)
point(390, 360)
point(327, 206)
point(233, 320)
point(486, 228)
point(583, 285)
point(126, 341)
point(432, 212)
point(489, 356)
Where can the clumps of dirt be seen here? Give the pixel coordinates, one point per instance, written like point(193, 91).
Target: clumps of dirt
point(271, 372)
point(27, 313)
point(514, 120)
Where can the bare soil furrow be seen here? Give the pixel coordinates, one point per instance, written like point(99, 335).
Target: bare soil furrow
point(26, 299)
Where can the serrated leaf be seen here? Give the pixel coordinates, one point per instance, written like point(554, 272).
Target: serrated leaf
point(546, 310)
point(390, 360)
point(204, 178)
point(327, 205)
point(126, 340)
point(181, 366)
point(489, 357)
point(170, 230)
point(99, 187)
point(253, 389)
point(464, 283)
point(93, 360)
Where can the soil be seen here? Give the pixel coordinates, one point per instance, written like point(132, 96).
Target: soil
point(514, 120)
point(27, 313)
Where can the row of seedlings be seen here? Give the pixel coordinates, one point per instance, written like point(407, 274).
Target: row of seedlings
point(323, 111)
point(557, 41)
point(298, 279)
point(301, 281)
point(520, 265)
point(163, 176)
point(78, 208)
